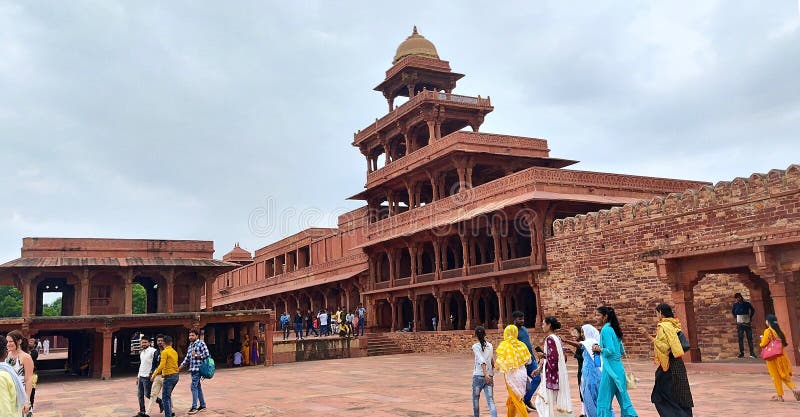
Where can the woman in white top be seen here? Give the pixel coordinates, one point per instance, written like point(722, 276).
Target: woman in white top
point(483, 373)
point(553, 396)
point(21, 361)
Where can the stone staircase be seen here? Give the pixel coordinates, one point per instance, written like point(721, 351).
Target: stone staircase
point(381, 344)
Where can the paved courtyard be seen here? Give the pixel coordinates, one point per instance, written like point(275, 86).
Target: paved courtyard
point(399, 385)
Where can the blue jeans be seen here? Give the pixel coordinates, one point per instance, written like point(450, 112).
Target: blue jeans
point(166, 393)
point(143, 390)
point(533, 383)
point(741, 331)
point(361, 325)
point(197, 390)
point(479, 384)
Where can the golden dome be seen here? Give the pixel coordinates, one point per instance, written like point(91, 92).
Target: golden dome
point(415, 44)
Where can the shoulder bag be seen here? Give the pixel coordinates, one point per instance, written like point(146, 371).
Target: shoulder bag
point(773, 349)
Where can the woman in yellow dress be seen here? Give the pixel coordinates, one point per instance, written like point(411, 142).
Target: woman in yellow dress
point(780, 370)
point(512, 356)
point(246, 351)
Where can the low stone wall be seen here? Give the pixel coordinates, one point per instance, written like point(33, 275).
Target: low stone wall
point(285, 351)
point(442, 342)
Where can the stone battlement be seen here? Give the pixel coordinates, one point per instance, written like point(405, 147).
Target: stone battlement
point(757, 186)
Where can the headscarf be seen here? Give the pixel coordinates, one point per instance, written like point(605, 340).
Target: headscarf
point(591, 337)
point(22, 397)
point(511, 353)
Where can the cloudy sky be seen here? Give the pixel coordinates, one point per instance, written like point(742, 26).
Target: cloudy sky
point(232, 121)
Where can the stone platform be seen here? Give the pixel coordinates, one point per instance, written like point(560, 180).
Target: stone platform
point(398, 385)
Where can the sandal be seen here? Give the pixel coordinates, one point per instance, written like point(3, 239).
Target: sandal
point(776, 398)
point(796, 394)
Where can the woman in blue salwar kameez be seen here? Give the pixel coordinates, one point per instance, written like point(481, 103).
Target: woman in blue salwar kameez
point(591, 369)
point(612, 379)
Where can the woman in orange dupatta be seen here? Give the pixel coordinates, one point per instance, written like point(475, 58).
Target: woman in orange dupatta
point(512, 356)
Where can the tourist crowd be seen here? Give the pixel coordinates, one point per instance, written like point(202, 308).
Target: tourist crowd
point(324, 323)
point(536, 377)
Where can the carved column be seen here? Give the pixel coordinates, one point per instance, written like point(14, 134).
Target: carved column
point(28, 298)
point(468, 305)
point(439, 310)
point(785, 310)
point(501, 304)
point(392, 266)
point(210, 280)
point(412, 254)
point(170, 291)
point(465, 253)
point(437, 255)
point(393, 306)
point(496, 241)
point(431, 130)
point(415, 311)
point(105, 370)
point(127, 304)
point(83, 302)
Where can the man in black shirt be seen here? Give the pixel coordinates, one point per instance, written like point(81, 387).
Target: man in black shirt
point(743, 313)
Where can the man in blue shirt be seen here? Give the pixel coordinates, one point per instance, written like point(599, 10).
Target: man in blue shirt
point(743, 313)
point(196, 354)
point(524, 337)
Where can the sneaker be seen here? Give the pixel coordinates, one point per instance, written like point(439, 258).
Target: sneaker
point(741, 355)
point(529, 405)
point(753, 355)
point(192, 411)
point(201, 408)
point(160, 405)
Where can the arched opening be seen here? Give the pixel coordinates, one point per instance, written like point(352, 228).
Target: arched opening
point(406, 315)
point(522, 298)
point(404, 263)
point(382, 274)
point(427, 259)
point(383, 315)
point(149, 286)
point(427, 309)
point(456, 311)
point(55, 297)
point(451, 183)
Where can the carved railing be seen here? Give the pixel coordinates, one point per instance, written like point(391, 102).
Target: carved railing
point(382, 285)
point(417, 61)
point(288, 276)
point(452, 273)
point(402, 281)
point(515, 184)
point(423, 96)
point(426, 277)
point(481, 269)
point(517, 263)
point(455, 140)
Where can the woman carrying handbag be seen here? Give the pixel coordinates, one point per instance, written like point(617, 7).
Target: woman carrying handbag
point(780, 370)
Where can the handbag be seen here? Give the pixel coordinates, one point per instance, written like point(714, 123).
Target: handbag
point(630, 378)
point(773, 349)
point(684, 341)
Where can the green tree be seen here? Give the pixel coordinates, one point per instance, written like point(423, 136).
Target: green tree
point(139, 299)
point(52, 309)
point(10, 301)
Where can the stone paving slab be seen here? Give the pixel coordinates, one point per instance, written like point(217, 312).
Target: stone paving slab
point(412, 385)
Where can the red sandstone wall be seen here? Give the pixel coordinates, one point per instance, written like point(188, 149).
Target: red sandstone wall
point(596, 259)
point(449, 341)
point(33, 247)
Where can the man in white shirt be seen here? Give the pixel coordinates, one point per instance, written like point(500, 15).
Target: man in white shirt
point(323, 323)
point(46, 346)
point(237, 358)
point(143, 379)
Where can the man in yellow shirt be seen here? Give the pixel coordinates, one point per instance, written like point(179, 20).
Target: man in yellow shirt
point(168, 367)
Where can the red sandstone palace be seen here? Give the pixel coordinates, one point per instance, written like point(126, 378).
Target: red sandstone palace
point(468, 226)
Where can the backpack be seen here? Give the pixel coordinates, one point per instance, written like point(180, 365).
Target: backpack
point(207, 368)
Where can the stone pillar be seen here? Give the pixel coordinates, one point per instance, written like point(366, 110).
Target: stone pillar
point(437, 255)
point(392, 266)
point(128, 292)
point(498, 265)
point(83, 302)
point(759, 318)
point(431, 131)
point(170, 291)
point(28, 298)
point(439, 311)
point(683, 298)
point(412, 254)
point(465, 253)
point(786, 311)
point(393, 306)
point(415, 312)
point(468, 307)
point(105, 370)
point(210, 279)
